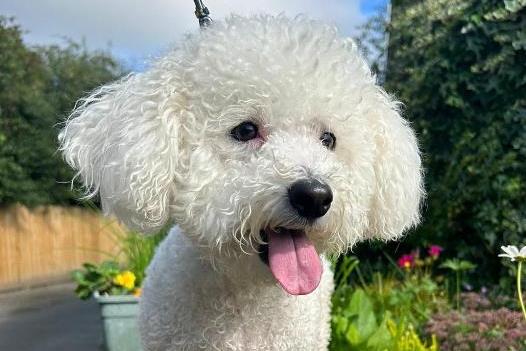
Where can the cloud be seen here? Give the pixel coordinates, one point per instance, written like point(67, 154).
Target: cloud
point(136, 30)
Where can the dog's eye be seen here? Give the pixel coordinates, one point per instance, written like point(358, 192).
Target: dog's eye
point(245, 131)
point(328, 140)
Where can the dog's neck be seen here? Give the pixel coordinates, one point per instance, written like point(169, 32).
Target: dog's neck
point(233, 264)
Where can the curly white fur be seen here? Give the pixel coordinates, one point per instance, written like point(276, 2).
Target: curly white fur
point(156, 147)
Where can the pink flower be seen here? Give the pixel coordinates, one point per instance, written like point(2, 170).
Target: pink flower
point(406, 261)
point(434, 251)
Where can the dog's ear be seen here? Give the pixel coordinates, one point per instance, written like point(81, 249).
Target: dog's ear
point(123, 142)
point(398, 184)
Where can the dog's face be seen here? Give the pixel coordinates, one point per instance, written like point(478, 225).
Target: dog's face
point(256, 130)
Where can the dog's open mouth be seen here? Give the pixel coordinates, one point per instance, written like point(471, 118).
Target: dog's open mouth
point(292, 259)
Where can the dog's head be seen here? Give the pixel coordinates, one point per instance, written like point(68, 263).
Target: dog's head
point(255, 130)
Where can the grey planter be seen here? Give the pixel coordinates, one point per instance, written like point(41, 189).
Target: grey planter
point(119, 316)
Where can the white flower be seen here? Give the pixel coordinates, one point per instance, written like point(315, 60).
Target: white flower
point(514, 253)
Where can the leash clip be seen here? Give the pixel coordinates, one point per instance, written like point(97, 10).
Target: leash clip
point(201, 12)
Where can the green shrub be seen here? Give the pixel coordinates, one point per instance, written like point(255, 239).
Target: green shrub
point(458, 66)
point(381, 314)
point(414, 299)
point(356, 326)
point(409, 289)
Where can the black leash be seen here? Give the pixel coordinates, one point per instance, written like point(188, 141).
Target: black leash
point(201, 12)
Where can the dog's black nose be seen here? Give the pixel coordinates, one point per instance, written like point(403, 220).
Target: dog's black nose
point(310, 197)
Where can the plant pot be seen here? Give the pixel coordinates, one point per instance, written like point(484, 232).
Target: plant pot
point(119, 317)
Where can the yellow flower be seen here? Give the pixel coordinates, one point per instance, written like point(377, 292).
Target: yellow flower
point(137, 292)
point(125, 279)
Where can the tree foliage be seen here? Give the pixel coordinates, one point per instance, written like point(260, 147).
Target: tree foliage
point(372, 39)
point(38, 87)
point(460, 68)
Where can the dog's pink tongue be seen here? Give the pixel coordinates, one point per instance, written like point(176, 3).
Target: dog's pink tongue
point(294, 261)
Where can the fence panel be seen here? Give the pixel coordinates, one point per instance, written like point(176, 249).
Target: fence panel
point(44, 244)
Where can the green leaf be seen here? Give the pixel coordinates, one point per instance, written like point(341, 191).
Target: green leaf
point(458, 265)
point(362, 307)
point(381, 339)
point(353, 335)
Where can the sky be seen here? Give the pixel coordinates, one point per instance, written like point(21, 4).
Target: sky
point(138, 31)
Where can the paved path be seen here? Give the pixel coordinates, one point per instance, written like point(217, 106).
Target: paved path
point(48, 319)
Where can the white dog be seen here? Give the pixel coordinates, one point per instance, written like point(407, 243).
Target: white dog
point(267, 142)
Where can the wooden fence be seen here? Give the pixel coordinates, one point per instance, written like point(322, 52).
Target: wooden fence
point(44, 244)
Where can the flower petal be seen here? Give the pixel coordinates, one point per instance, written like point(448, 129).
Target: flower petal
point(510, 250)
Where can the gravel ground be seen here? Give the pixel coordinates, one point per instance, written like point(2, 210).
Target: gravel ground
point(49, 319)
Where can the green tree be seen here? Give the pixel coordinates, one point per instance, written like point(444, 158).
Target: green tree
point(460, 68)
point(38, 87)
point(371, 38)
